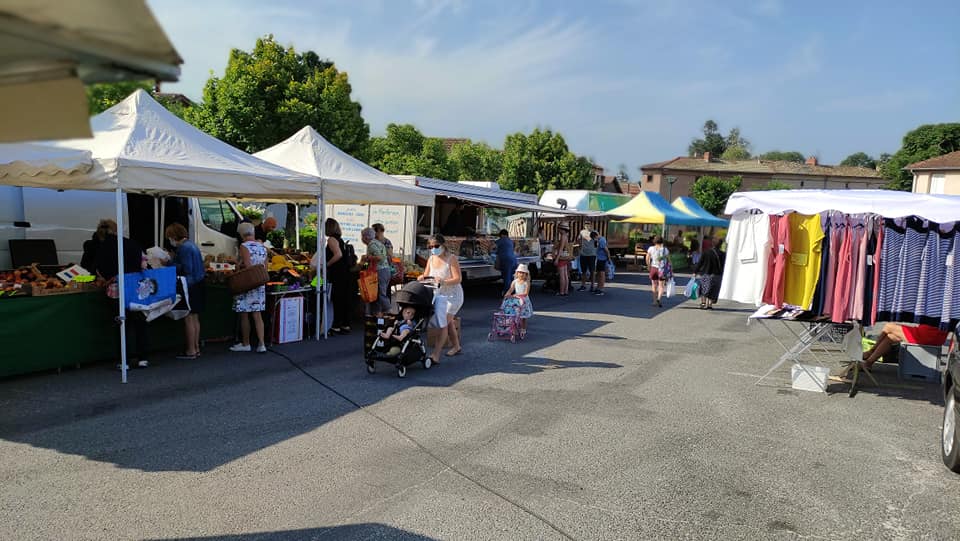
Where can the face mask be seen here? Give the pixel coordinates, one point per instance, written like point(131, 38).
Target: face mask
point(436, 251)
point(172, 242)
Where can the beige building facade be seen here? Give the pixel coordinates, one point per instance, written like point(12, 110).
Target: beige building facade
point(674, 178)
point(939, 175)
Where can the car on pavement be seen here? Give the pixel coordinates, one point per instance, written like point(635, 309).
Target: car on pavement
point(950, 439)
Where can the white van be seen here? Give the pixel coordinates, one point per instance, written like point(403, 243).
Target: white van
point(70, 218)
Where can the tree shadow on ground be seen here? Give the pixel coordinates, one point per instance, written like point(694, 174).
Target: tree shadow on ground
point(199, 415)
point(360, 532)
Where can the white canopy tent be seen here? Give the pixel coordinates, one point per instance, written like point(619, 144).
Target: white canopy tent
point(346, 180)
point(39, 166)
point(886, 203)
point(49, 49)
point(343, 180)
point(140, 147)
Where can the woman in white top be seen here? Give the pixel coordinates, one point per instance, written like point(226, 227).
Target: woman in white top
point(444, 269)
point(657, 258)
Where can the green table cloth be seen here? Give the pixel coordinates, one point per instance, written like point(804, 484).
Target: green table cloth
point(40, 333)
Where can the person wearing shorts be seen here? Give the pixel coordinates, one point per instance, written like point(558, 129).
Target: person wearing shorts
point(657, 257)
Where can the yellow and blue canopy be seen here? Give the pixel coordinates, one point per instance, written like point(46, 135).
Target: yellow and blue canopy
point(689, 205)
point(652, 208)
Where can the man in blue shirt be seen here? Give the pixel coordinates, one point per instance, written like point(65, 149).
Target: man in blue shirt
point(506, 259)
point(189, 262)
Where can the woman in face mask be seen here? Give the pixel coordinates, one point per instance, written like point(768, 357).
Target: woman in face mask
point(189, 262)
point(444, 269)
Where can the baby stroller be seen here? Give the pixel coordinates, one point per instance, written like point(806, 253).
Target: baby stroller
point(412, 349)
point(551, 278)
point(504, 326)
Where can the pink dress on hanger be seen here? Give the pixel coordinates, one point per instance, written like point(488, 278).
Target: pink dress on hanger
point(876, 271)
point(838, 225)
point(859, 282)
point(841, 291)
point(777, 261)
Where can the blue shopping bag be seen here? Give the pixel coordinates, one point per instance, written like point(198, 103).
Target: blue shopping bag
point(148, 289)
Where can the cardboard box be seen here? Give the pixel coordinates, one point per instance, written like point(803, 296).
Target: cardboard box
point(433, 333)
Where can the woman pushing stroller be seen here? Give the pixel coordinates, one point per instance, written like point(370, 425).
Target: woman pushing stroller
point(517, 299)
point(443, 269)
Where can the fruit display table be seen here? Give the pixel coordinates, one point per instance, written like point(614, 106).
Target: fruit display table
point(40, 333)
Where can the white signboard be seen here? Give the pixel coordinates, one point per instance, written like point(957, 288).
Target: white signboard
point(290, 325)
point(396, 220)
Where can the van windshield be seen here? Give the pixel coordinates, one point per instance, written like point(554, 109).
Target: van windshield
point(219, 216)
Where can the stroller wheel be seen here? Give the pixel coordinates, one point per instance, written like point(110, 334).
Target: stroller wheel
point(427, 363)
point(490, 336)
point(370, 368)
point(513, 338)
point(401, 371)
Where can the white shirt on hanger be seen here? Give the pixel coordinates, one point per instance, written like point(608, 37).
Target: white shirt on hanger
point(745, 270)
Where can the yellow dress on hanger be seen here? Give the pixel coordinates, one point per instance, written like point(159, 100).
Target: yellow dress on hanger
point(803, 268)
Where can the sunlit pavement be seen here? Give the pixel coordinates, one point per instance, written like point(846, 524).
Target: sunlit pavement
point(613, 420)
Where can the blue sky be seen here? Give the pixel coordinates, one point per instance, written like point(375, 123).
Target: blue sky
point(625, 81)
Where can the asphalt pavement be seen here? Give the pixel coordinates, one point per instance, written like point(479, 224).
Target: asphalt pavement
point(614, 419)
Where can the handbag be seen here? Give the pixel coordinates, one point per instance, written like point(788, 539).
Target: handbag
point(248, 278)
point(368, 285)
point(671, 288)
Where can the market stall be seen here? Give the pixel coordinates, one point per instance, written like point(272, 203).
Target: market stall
point(842, 260)
point(140, 147)
point(470, 216)
point(592, 209)
point(347, 183)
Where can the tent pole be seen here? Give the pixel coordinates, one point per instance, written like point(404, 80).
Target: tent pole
point(322, 234)
point(433, 212)
point(163, 219)
point(296, 216)
point(122, 311)
point(157, 227)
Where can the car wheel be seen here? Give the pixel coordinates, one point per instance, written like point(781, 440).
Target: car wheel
point(949, 442)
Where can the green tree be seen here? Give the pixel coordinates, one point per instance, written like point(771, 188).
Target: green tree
point(542, 161)
point(712, 141)
point(475, 161)
point(783, 156)
point(268, 94)
point(712, 192)
point(734, 153)
point(859, 159)
point(102, 96)
point(919, 144)
point(406, 151)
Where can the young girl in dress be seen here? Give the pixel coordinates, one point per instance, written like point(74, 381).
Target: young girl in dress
point(517, 298)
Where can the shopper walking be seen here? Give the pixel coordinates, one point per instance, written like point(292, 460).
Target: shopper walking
point(588, 258)
point(377, 259)
point(506, 258)
point(250, 305)
point(658, 259)
point(443, 269)
point(603, 256)
point(189, 262)
point(562, 257)
point(710, 271)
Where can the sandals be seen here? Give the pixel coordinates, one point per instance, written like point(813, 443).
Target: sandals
point(452, 353)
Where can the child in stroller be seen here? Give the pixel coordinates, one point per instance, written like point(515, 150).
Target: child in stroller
point(402, 343)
